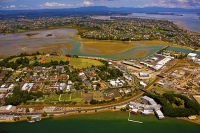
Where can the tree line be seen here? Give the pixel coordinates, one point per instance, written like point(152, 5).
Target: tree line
point(20, 96)
point(167, 99)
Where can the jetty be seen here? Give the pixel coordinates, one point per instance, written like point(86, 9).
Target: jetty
point(133, 120)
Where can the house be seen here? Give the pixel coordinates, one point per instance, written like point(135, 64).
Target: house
point(113, 83)
point(81, 75)
point(11, 87)
point(69, 86)
point(62, 86)
point(27, 86)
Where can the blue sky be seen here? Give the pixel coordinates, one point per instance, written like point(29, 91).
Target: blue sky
point(43, 4)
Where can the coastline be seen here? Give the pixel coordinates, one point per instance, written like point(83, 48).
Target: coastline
point(196, 121)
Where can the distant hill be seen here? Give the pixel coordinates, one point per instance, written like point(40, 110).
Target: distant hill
point(91, 10)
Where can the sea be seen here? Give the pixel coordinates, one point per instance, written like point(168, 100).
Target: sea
point(189, 21)
point(102, 122)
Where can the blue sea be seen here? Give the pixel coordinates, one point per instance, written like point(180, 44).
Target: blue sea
point(190, 21)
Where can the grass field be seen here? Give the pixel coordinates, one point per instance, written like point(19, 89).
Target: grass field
point(84, 63)
point(52, 97)
point(65, 97)
point(76, 96)
point(14, 59)
point(55, 58)
point(160, 91)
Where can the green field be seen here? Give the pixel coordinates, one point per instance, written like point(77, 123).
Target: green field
point(84, 63)
point(55, 58)
point(52, 97)
point(65, 97)
point(14, 59)
point(76, 96)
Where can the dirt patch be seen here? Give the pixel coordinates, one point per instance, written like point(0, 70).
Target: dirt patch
point(67, 59)
point(43, 60)
point(87, 97)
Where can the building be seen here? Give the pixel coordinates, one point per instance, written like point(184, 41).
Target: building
point(143, 84)
point(6, 117)
point(131, 64)
point(159, 114)
point(191, 55)
point(8, 108)
point(147, 112)
point(27, 86)
point(134, 111)
point(148, 109)
point(49, 109)
point(143, 74)
point(113, 83)
point(62, 86)
point(149, 100)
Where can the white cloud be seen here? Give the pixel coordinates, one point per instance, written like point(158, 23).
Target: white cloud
point(55, 4)
point(12, 6)
point(85, 3)
point(22, 6)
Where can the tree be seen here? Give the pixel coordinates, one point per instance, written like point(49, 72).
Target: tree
point(28, 118)
point(44, 114)
point(46, 82)
point(27, 110)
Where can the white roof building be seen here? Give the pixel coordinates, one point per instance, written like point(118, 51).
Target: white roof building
point(149, 100)
point(190, 55)
point(143, 84)
point(27, 86)
point(143, 74)
point(62, 86)
point(113, 83)
point(8, 108)
point(159, 114)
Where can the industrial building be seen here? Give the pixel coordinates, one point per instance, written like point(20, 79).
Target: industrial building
point(147, 109)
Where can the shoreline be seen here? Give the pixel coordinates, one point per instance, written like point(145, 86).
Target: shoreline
point(93, 112)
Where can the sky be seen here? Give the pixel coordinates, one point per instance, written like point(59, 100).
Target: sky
point(52, 4)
